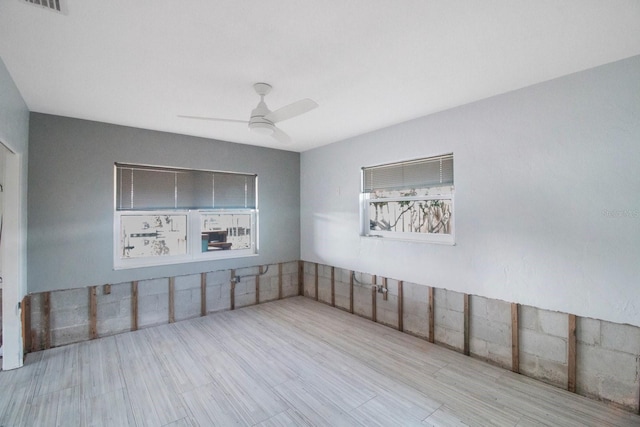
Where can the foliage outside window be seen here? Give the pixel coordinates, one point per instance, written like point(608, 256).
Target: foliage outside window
point(169, 215)
point(410, 200)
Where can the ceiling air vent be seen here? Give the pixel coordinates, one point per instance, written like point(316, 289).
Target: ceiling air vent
point(49, 4)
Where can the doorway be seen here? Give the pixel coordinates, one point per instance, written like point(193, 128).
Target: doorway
point(12, 254)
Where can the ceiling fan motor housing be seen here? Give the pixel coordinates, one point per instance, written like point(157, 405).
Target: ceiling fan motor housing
point(258, 123)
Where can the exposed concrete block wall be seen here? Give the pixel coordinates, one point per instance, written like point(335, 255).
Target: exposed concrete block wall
point(309, 280)
point(289, 279)
point(387, 311)
point(69, 316)
point(268, 284)
point(324, 283)
point(362, 295)
point(218, 290)
point(490, 330)
point(415, 310)
point(342, 288)
point(608, 354)
point(449, 318)
point(246, 286)
point(608, 361)
point(69, 312)
point(153, 302)
point(543, 345)
point(114, 309)
point(187, 296)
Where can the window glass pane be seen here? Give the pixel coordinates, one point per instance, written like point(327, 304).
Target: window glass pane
point(153, 235)
point(225, 231)
point(411, 216)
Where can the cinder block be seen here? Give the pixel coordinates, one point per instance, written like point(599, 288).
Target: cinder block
point(343, 275)
point(113, 325)
point(498, 311)
point(528, 318)
point(153, 310)
point(324, 289)
point(245, 300)
point(118, 291)
point(608, 375)
point(490, 331)
point(342, 301)
point(290, 268)
point(191, 281)
point(553, 323)
point(310, 268)
point(588, 331)
point(416, 324)
point(290, 285)
point(545, 370)
point(453, 301)
point(69, 299)
point(362, 301)
point(543, 346)
point(449, 337)
point(324, 271)
point(219, 277)
point(69, 335)
point(625, 338)
point(108, 310)
point(69, 317)
point(187, 303)
point(218, 297)
point(449, 319)
point(153, 287)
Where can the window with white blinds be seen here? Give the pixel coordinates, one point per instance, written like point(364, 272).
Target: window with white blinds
point(411, 200)
point(421, 173)
point(169, 215)
point(148, 187)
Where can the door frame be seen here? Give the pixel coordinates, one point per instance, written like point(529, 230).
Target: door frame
point(13, 247)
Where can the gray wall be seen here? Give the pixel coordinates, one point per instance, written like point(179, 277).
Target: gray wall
point(547, 197)
point(70, 234)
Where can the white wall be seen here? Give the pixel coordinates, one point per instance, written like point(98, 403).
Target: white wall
point(14, 131)
point(547, 197)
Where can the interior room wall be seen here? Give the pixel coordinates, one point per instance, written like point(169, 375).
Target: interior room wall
point(71, 198)
point(546, 197)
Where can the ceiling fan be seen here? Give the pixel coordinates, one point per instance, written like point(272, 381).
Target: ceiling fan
point(263, 120)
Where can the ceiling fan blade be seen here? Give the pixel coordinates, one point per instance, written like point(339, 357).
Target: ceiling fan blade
point(280, 136)
point(291, 110)
point(213, 119)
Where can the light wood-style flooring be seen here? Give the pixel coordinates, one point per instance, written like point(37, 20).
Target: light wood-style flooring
point(285, 363)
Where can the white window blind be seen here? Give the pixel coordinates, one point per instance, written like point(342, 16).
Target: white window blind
point(420, 173)
point(149, 187)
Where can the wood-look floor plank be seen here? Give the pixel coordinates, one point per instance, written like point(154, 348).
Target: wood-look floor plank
point(289, 418)
point(110, 409)
point(313, 406)
point(381, 412)
point(288, 362)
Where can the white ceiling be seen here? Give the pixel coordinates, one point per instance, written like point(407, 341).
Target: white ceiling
point(368, 63)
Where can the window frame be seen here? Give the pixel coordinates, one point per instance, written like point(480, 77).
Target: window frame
point(193, 249)
point(444, 192)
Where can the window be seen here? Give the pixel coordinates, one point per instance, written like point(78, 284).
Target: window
point(410, 200)
point(169, 215)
